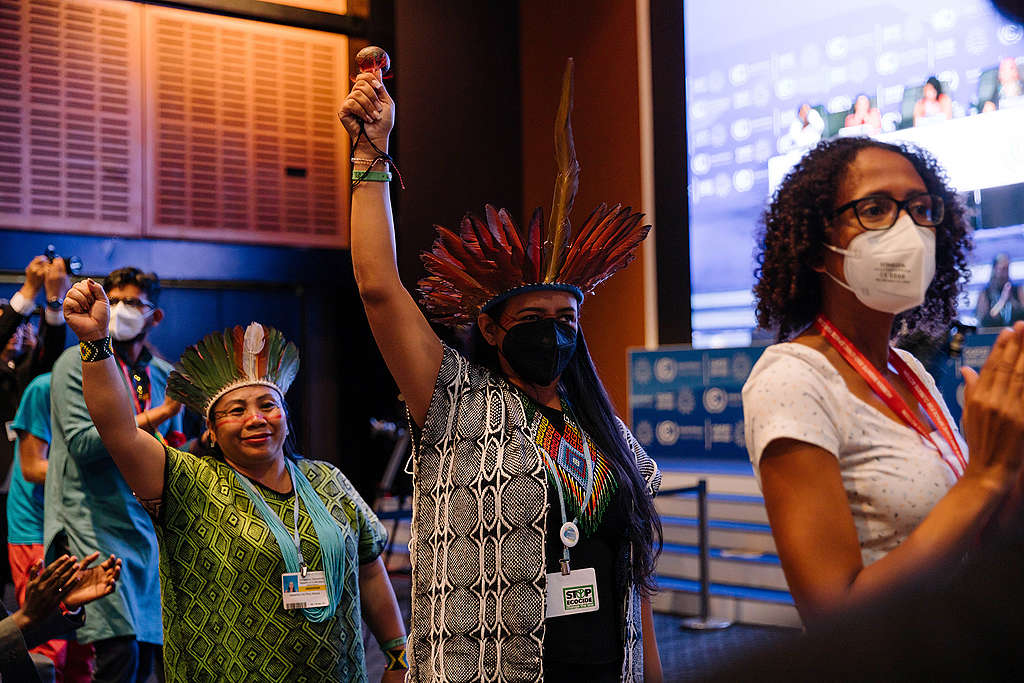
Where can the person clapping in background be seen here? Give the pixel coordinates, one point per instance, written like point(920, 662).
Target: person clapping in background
point(51, 606)
point(1001, 303)
point(25, 354)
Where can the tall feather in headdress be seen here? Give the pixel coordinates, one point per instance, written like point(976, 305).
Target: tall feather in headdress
point(486, 261)
point(566, 182)
point(234, 358)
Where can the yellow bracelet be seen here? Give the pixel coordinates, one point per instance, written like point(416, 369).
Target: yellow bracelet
point(95, 350)
point(397, 660)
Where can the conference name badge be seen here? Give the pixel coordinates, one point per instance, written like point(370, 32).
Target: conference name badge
point(301, 592)
point(574, 593)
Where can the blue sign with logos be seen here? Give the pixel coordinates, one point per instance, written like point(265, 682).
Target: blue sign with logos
point(687, 403)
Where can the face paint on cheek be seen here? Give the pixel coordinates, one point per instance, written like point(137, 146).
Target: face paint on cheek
point(228, 420)
point(272, 415)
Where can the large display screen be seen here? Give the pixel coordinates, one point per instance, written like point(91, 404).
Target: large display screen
point(766, 80)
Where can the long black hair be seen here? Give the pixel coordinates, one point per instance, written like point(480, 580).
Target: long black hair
point(592, 408)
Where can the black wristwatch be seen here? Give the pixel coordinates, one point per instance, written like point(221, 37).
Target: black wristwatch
point(54, 303)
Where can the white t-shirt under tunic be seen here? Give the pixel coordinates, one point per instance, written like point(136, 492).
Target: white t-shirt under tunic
point(892, 476)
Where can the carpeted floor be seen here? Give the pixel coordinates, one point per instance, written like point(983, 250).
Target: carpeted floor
point(685, 655)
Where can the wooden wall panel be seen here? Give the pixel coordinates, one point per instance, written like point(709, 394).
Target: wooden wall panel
point(332, 6)
point(70, 118)
point(601, 36)
point(245, 144)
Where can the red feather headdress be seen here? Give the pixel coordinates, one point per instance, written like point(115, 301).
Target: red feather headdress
point(489, 260)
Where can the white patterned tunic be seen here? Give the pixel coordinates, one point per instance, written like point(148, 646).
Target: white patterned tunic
point(478, 531)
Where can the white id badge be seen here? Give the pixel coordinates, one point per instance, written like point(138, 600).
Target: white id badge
point(572, 594)
point(300, 592)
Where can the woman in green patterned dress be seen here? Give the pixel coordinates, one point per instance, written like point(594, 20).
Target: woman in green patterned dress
point(237, 525)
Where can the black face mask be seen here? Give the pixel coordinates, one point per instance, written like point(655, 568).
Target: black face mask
point(539, 350)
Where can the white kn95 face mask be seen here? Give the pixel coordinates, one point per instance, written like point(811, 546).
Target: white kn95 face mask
point(889, 270)
point(126, 322)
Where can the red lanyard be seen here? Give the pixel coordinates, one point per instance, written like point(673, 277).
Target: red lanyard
point(880, 385)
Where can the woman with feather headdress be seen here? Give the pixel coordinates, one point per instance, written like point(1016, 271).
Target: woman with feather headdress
point(238, 522)
point(534, 531)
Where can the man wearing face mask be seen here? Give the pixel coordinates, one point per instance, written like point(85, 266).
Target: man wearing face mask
point(88, 505)
point(868, 482)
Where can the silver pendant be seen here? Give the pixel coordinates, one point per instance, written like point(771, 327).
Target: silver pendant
point(570, 534)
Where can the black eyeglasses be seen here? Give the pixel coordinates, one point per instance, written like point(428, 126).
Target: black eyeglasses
point(879, 212)
point(132, 301)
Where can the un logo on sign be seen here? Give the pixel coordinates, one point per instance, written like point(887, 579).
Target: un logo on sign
point(665, 370)
point(715, 400)
point(1010, 34)
point(668, 433)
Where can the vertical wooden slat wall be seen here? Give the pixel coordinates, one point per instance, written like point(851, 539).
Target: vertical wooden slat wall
point(247, 143)
point(119, 118)
point(70, 116)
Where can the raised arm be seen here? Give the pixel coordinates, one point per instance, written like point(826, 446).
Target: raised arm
point(410, 348)
point(52, 330)
point(814, 529)
point(138, 455)
point(23, 302)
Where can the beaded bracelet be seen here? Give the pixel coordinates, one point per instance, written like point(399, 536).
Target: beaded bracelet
point(95, 350)
point(369, 162)
point(396, 657)
point(394, 642)
point(372, 176)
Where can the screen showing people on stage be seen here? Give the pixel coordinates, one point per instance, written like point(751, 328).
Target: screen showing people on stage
point(940, 76)
point(805, 131)
point(1009, 88)
point(934, 105)
point(864, 114)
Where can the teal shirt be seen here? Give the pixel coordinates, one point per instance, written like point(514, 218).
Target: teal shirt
point(88, 500)
point(25, 499)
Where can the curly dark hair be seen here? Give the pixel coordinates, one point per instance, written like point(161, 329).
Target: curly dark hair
point(790, 245)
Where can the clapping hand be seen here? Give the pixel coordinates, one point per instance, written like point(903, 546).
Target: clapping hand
point(87, 310)
point(994, 412)
point(171, 406)
point(93, 582)
point(65, 580)
point(45, 590)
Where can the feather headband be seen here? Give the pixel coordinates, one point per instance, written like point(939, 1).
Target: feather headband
point(228, 360)
point(487, 261)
